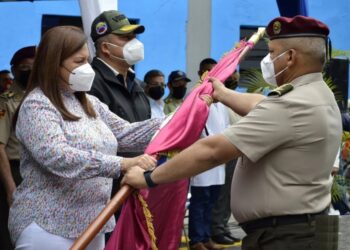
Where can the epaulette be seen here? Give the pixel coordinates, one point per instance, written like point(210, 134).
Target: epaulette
point(281, 90)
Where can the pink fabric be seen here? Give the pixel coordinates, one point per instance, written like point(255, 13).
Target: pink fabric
point(189, 120)
point(167, 202)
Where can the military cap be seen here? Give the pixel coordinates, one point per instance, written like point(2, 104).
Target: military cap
point(178, 75)
point(23, 53)
point(298, 26)
point(113, 22)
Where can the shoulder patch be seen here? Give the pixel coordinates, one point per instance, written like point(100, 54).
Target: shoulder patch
point(281, 90)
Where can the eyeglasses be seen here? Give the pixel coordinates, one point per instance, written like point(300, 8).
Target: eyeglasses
point(156, 84)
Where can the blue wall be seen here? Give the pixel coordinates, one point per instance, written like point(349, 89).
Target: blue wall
point(21, 22)
point(166, 24)
point(165, 34)
point(228, 15)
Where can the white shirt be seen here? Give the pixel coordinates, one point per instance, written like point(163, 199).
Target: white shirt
point(157, 108)
point(218, 120)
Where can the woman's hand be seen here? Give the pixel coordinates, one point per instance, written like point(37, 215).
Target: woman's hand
point(208, 99)
point(144, 161)
point(135, 178)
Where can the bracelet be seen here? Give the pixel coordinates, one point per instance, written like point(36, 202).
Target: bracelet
point(149, 181)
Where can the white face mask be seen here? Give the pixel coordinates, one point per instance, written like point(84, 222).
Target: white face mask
point(81, 78)
point(133, 51)
point(268, 69)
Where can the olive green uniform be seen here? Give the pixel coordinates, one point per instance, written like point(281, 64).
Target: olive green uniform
point(289, 142)
point(171, 104)
point(9, 102)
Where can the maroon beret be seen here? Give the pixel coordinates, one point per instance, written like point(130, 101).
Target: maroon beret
point(26, 52)
point(298, 26)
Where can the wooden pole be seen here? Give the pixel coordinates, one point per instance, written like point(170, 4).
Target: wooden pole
point(94, 228)
point(253, 39)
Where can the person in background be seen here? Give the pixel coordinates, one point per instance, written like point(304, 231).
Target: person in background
point(21, 66)
point(221, 213)
point(69, 144)
point(154, 88)
point(177, 84)
point(115, 83)
point(285, 143)
point(5, 80)
point(205, 187)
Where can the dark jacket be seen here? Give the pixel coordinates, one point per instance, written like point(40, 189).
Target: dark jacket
point(130, 104)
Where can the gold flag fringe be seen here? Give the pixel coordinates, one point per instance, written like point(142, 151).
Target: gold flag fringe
point(148, 216)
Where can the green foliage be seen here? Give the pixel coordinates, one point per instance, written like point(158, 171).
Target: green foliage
point(340, 186)
point(340, 53)
point(337, 94)
point(254, 82)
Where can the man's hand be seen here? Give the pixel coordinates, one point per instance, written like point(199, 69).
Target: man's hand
point(144, 161)
point(134, 177)
point(219, 89)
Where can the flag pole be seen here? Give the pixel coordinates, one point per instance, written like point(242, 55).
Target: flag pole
point(253, 39)
point(95, 227)
point(118, 199)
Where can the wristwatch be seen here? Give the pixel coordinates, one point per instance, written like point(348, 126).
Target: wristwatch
point(149, 181)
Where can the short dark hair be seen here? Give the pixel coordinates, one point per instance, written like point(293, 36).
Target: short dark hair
point(207, 61)
point(5, 71)
point(152, 73)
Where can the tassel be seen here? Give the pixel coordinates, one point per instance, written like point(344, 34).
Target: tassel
point(148, 216)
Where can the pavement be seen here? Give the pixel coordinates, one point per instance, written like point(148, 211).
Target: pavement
point(234, 228)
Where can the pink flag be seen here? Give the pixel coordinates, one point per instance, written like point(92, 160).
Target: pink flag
point(167, 202)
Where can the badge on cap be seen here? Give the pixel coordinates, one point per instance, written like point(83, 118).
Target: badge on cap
point(101, 28)
point(277, 27)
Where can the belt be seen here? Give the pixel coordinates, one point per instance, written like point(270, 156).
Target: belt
point(273, 221)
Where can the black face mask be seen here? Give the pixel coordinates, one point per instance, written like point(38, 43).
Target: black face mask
point(23, 77)
point(179, 92)
point(156, 92)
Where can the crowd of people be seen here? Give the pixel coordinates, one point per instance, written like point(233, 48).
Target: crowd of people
point(72, 132)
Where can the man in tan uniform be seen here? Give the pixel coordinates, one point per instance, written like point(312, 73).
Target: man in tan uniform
point(285, 143)
point(21, 65)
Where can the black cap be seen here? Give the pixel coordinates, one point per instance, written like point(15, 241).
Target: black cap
point(178, 75)
point(113, 22)
point(23, 53)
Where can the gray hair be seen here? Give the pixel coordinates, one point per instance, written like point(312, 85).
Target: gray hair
point(313, 48)
point(99, 41)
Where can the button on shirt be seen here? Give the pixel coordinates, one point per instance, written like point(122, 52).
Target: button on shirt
point(68, 166)
point(289, 144)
